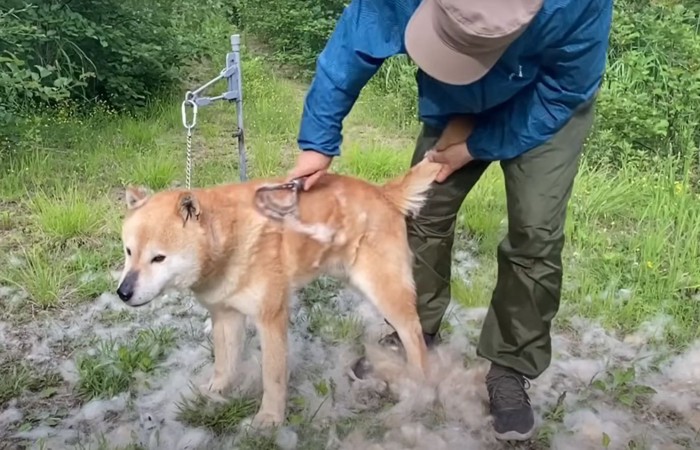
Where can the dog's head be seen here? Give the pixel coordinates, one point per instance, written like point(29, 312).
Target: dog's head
point(162, 236)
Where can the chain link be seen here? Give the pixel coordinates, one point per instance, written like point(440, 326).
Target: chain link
point(188, 169)
point(189, 126)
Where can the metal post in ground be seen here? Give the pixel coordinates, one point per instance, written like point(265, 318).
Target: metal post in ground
point(238, 81)
point(234, 84)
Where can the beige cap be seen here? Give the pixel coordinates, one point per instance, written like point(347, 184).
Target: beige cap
point(457, 42)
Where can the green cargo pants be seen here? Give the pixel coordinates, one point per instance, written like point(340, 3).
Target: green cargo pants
point(516, 330)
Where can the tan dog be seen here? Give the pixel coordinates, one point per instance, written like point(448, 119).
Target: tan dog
point(240, 263)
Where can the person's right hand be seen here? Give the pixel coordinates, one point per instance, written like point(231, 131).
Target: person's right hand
point(311, 164)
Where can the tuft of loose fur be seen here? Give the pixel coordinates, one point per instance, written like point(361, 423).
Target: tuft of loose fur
point(408, 192)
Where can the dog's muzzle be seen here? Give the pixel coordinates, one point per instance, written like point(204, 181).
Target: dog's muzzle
point(126, 289)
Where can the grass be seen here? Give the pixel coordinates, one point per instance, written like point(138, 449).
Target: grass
point(220, 418)
point(110, 370)
point(224, 418)
point(40, 277)
point(323, 318)
point(73, 213)
point(18, 377)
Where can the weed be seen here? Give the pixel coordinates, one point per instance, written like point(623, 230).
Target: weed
point(40, 277)
point(111, 369)
point(551, 418)
point(5, 220)
point(619, 383)
point(220, 418)
point(157, 169)
point(323, 317)
point(72, 213)
point(17, 377)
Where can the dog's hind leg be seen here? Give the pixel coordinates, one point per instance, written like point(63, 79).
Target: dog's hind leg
point(228, 326)
point(385, 278)
point(272, 328)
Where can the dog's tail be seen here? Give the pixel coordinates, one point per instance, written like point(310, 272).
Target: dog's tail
point(408, 192)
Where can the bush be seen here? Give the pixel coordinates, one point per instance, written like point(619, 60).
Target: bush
point(647, 107)
point(121, 52)
point(294, 30)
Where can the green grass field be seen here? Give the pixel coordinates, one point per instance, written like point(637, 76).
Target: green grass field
point(631, 258)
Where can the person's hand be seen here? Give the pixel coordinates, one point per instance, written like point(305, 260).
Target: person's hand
point(452, 159)
point(312, 164)
point(451, 149)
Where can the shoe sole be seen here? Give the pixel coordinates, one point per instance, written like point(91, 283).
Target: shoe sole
point(515, 436)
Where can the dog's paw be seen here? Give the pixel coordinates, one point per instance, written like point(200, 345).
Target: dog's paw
point(216, 386)
point(266, 420)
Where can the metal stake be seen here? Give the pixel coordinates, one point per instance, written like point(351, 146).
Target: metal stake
point(233, 75)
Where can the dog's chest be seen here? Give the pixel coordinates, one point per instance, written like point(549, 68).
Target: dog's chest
point(245, 299)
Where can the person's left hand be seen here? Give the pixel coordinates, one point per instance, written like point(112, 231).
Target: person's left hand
point(452, 159)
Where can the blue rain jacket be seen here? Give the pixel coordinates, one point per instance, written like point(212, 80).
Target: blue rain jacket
point(553, 67)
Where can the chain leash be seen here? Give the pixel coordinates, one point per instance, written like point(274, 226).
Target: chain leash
point(189, 126)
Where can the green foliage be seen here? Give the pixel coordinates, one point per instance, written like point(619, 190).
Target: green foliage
point(18, 377)
point(648, 104)
point(121, 52)
point(619, 383)
point(220, 418)
point(111, 369)
point(295, 30)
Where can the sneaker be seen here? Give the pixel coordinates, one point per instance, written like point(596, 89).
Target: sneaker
point(362, 367)
point(513, 418)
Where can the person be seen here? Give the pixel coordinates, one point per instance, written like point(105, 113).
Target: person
point(509, 81)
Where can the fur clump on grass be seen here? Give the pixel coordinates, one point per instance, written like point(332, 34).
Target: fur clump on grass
point(220, 418)
point(17, 377)
point(324, 318)
point(111, 369)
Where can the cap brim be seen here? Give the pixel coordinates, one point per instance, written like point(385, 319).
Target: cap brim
point(435, 58)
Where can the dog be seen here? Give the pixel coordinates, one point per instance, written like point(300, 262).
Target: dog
point(239, 262)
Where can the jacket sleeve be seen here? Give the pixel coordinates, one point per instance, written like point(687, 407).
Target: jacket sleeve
point(365, 35)
point(570, 76)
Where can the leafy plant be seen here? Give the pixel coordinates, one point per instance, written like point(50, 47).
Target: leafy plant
point(620, 384)
point(110, 370)
point(121, 52)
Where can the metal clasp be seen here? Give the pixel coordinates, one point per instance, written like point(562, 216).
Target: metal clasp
point(189, 101)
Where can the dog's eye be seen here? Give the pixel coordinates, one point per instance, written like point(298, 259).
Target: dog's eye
point(128, 251)
point(157, 259)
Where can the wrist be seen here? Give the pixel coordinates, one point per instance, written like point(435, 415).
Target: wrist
point(326, 154)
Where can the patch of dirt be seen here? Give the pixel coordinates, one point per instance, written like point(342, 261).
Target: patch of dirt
point(583, 400)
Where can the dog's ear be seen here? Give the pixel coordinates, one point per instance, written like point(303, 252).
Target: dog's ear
point(188, 206)
point(136, 196)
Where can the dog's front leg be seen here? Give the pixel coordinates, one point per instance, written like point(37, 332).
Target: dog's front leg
point(228, 326)
point(272, 328)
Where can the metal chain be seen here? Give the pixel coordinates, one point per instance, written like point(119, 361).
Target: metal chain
point(188, 169)
point(189, 126)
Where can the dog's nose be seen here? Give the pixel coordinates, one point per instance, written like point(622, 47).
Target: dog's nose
point(125, 293)
point(126, 289)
